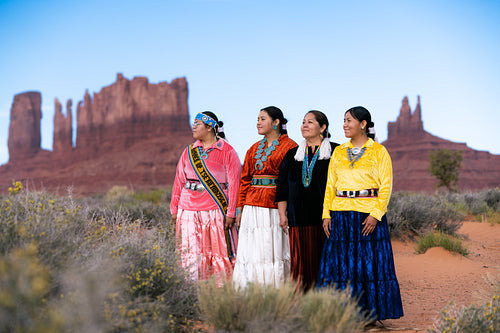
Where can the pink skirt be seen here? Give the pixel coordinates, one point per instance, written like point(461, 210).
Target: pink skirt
point(201, 240)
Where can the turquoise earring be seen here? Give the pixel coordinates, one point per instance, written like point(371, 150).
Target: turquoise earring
point(274, 127)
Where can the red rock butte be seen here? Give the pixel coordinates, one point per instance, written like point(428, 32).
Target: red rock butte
point(130, 133)
point(409, 146)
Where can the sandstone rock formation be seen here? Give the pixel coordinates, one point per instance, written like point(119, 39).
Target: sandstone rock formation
point(131, 111)
point(24, 129)
point(409, 146)
point(63, 129)
point(130, 133)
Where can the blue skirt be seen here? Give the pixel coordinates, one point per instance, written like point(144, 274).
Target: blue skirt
point(365, 263)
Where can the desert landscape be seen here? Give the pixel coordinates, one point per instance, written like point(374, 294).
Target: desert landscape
point(431, 280)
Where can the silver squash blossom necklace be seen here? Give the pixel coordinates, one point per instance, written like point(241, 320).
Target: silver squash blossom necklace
point(354, 154)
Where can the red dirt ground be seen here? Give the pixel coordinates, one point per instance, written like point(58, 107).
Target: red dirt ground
point(431, 280)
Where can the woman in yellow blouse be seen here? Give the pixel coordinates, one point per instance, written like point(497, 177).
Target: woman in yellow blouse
point(358, 251)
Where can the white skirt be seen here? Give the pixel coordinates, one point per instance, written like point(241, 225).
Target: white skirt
point(263, 249)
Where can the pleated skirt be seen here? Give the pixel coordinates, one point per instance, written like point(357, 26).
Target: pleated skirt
point(306, 245)
point(263, 249)
point(365, 263)
point(201, 242)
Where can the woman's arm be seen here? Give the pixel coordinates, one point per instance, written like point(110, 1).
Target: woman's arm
point(179, 182)
point(384, 166)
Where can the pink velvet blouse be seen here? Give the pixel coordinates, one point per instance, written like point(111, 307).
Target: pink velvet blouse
point(223, 163)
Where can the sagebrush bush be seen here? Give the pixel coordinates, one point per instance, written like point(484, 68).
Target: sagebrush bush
point(112, 264)
point(483, 205)
point(333, 310)
point(470, 319)
point(268, 309)
point(254, 309)
point(410, 215)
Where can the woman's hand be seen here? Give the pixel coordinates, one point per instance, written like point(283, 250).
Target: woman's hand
point(238, 216)
point(284, 223)
point(229, 222)
point(327, 224)
point(369, 225)
point(173, 219)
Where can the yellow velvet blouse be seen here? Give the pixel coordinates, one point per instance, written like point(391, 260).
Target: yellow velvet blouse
point(372, 170)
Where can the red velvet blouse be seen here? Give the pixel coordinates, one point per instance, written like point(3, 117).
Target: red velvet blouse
point(259, 195)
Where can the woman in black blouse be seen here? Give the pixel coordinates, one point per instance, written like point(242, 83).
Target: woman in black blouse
point(300, 192)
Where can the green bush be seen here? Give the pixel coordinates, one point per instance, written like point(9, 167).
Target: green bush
point(435, 239)
point(268, 309)
point(470, 319)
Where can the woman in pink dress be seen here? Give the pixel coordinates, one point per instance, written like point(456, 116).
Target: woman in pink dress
point(203, 203)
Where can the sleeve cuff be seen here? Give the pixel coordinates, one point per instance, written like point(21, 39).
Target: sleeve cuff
point(377, 214)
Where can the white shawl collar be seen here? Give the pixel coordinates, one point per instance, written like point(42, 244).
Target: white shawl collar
point(325, 151)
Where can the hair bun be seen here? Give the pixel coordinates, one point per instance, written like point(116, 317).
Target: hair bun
point(220, 123)
point(371, 124)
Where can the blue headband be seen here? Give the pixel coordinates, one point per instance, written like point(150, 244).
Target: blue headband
point(206, 119)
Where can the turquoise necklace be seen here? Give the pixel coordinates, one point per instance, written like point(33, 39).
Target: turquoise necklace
point(260, 157)
point(307, 168)
point(203, 153)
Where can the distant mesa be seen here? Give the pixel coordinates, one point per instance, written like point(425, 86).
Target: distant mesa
point(130, 133)
point(409, 146)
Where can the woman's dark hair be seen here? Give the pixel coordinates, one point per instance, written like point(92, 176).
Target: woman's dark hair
point(322, 120)
point(275, 113)
point(219, 124)
point(360, 113)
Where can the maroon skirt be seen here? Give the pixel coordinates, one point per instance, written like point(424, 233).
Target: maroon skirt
point(306, 245)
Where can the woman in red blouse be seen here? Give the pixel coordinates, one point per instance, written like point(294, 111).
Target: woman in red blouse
point(263, 249)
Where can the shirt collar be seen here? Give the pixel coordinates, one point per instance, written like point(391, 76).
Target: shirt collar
point(219, 144)
point(348, 144)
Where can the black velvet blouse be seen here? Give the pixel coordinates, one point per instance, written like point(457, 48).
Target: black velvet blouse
point(304, 204)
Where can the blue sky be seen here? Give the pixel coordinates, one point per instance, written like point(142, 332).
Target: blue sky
point(241, 55)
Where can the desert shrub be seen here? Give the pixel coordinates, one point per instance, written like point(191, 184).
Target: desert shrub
point(410, 215)
point(154, 196)
point(149, 207)
point(24, 283)
point(332, 310)
point(118, 192)
point(483, 205)
point(435, 239)
point(491, 197)
point(267, 309)
point(255, 309)
point(470, 319)
point(475, 204)
point(111, 267)
point(55, 224)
